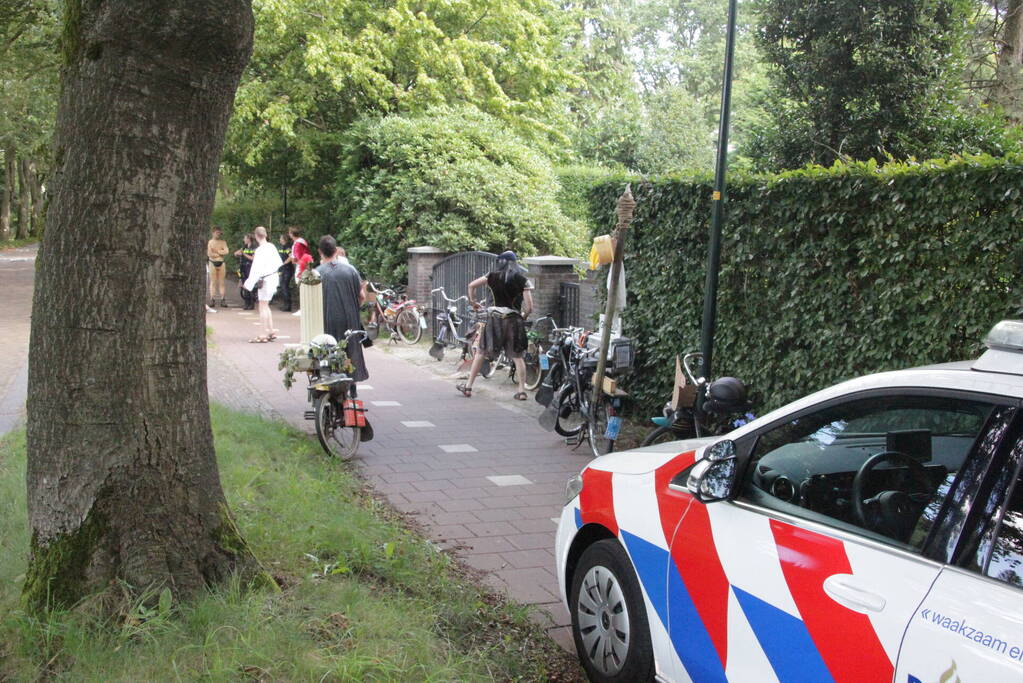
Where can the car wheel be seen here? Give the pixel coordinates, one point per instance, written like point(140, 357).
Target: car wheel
point(609, 624)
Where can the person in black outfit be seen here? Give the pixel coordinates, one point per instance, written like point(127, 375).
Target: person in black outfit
point(244, 256)
point(506, 323)
point(287, 271)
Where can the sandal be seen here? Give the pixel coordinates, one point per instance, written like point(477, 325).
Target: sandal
point(259, 340)
point(520, 396)
point(466, 391)
point(272, 335)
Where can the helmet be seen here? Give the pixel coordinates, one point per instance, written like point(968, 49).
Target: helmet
point(323, 340)
point(726, 395)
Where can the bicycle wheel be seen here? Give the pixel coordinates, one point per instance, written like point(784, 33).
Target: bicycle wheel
point(407, 324)
point(337, 440)
point(570, 421)
point(599, 443)
point(660, 435)
point(534, 375)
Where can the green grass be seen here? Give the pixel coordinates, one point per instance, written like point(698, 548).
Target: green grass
point(23, 242)
point(364, 597)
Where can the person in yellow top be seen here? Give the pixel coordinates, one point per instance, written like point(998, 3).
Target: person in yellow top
point(216, 250)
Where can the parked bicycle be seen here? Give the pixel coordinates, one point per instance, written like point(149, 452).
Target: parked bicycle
point(339, 416)
point(687, 420)
point(447, 336)
point(572, 360)
point(398, 313)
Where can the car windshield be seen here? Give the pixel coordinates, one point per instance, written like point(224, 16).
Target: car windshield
point(908, 449)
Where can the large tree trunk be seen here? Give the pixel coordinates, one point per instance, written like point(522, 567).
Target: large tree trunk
point(24, 200)
point(1008, 88)
point(122, 478)
point(36, 191)
point(6, 194)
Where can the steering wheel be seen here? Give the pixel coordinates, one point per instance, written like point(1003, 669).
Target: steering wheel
point(892, 513)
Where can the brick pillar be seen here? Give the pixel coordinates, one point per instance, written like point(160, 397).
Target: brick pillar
point(547, 273)
point(421, 261)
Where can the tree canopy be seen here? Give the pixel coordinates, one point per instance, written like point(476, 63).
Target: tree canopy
point(866, 79)
point(320, 65)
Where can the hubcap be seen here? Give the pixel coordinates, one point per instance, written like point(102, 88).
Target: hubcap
point(603, 620)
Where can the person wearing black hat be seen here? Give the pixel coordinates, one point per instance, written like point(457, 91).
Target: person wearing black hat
point(506, 321)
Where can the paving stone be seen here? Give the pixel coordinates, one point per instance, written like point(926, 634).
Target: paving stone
point(531, 541)
point(487, 562)
point(524, 559)
point(530, 585)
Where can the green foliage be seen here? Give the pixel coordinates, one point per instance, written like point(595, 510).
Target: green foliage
point(451, 178)
point(575, 183)
point(28, 80)
point(827, 273)
point(364, 598)
point(866, 79)
point(319, 65)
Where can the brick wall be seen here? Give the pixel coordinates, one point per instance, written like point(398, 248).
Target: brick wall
point(421, 261)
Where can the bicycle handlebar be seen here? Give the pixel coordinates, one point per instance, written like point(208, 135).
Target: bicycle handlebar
point(445, 295)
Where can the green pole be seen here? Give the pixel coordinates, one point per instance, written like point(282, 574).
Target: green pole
point(718, 201)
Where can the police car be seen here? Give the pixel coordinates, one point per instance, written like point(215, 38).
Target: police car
point(870, 532)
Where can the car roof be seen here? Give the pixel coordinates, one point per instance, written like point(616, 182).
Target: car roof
point(961, 376)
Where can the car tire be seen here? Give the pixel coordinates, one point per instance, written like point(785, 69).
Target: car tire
point(609, 622)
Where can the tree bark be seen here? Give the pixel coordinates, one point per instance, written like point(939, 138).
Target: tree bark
point(35, 187)
point(1008, 87)
point(24, 200)
point(122, 477)
point(6, 194)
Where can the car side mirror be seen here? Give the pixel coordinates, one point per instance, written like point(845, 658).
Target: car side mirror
point(712, 479)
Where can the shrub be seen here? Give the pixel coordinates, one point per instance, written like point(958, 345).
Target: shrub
point(452, 178)
point(826, 273)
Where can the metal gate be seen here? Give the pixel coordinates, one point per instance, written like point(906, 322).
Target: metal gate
point(454, 274)
point(568, 304)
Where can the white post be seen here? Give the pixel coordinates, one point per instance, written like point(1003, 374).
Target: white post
point(311, 302)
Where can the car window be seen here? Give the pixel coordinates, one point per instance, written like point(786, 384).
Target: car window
point(1000, 552)
point(897, 455)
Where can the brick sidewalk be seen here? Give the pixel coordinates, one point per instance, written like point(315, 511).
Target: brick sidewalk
point(485, 480)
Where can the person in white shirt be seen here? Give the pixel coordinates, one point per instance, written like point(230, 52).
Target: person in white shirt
point(263, 280)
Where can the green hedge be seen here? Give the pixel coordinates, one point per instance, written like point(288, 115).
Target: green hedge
point(827, 273)
point(237, 218)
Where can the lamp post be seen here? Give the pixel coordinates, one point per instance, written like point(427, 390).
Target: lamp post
point(718, 201)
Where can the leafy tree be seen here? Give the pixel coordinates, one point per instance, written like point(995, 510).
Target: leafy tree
point(865, 79)
point(122, 478)
point(319, 65)
point(28, 100)
point(677, 134)
point(453, 178)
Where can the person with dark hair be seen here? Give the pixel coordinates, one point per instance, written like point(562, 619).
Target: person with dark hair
point(342, 297)
point(506, 320)
point(245, 256)
point(284, 248)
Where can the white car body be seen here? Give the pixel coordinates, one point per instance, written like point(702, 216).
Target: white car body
point(739, 592)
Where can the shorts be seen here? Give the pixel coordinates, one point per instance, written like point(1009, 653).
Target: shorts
point(504, 333)
point(269, 288)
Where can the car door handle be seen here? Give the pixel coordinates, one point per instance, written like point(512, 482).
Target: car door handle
point(843, 589)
